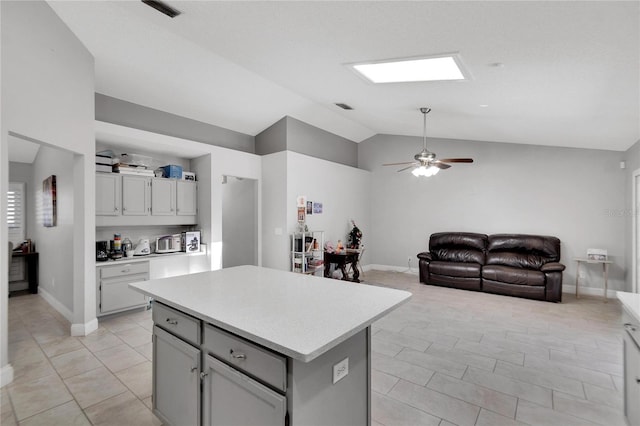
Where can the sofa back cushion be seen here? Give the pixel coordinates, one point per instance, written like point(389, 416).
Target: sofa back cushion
point(464, 247)
point(522, 251)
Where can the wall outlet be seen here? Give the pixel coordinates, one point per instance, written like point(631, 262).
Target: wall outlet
point(340, 370)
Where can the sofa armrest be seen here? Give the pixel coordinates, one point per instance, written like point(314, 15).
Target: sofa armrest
point(552, 267)
point(425, 255)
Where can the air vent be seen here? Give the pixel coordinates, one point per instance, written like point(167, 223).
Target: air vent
point(162, 8)
point(343, 106)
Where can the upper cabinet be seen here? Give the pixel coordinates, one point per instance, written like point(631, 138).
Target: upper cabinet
point(186, 198)
point(108, 198)
point(135, 196)
point(163, 197)
point(123, 200)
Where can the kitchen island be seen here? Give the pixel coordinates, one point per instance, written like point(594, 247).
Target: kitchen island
point(251, 345)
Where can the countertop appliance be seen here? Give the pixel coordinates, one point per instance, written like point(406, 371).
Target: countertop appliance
point(142, 248)
point(169, 243)
point(102, 251)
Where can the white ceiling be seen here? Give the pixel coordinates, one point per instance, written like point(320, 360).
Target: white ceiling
point(570, 74)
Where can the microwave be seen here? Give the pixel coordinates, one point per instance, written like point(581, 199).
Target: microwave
point(169, 243)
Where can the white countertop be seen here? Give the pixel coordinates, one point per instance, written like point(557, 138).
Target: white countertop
point(631, 303)
point(146, 257)
point(297, 315)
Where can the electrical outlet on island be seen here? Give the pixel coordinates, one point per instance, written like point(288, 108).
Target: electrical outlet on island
point(340, 370)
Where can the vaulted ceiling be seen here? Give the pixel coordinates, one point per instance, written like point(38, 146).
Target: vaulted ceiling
point(548, 72)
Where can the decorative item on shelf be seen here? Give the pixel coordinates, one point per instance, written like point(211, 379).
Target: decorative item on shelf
point(355, 236)
point(192, 240)
point(329, 247)
point(339, 246)
point(597, 254)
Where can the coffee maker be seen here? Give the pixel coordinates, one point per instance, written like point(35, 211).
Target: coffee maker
point(102, 251)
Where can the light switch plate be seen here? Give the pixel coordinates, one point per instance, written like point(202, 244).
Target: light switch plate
point(340, 370)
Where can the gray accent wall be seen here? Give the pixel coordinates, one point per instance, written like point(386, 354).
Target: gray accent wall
point(118, 111)
point(309, 140)
point(294, 135)
point(511, 188)
point(272, 139)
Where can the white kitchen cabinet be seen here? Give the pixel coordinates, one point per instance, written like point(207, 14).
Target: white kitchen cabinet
point(176, 379)
point(135, 195)
point(125, 200)
point(114, 294)
point(186, 198)
point(108, 198)
point(163, 197)
point(231, 398)
point(632, 372)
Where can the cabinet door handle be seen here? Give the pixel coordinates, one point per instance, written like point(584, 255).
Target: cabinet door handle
point(629, 326)
point(124, 209)
point(194, 369)
point(115, 209)
point(124, 271)
point(237, 355)
point(172, 321)
point(203, 375)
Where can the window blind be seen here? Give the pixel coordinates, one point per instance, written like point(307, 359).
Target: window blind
point(15, 212)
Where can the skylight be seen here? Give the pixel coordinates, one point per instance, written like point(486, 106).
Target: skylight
point(441, 68)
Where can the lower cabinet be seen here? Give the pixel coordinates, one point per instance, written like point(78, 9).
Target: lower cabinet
point(191, 386)
point(632, 373)
point(114, 294)
point(231, 398)
point(176, 379)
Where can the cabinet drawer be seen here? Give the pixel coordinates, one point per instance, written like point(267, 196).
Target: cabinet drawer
point(261, 363)
point(124, 269)
point(176, 322)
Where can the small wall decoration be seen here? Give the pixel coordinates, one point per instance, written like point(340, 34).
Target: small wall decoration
point(317, 208)
point(309, 207)
point(49, 213)
point(192, 241)
point(301, 214)
point(301, 201)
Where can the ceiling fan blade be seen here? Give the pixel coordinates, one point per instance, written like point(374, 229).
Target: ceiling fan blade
point(457, 160)
point(399, 164)
point(440, 165)
point(406, 168)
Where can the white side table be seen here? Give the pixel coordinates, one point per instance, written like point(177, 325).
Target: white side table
point(605, 272)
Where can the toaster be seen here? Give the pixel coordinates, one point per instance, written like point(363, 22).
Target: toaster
point(169, 243)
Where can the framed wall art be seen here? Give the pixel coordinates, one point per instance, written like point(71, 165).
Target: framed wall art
point(49, 213)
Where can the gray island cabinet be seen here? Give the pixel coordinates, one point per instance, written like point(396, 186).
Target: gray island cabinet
point(255, 346)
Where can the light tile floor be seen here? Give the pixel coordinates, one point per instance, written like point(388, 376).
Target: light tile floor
point(447, 357)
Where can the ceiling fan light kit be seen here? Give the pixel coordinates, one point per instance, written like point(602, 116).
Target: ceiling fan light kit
point(425, 163)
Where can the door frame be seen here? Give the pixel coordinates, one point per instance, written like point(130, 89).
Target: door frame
point(634, 232)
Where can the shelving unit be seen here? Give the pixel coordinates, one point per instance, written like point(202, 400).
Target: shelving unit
point(307, 252)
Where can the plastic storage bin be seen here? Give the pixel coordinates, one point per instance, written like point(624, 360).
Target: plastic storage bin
point(172, 171)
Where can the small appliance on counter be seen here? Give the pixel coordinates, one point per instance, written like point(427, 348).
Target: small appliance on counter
point(142, 248)
point(127, 247)
point(169, 244)
point(102, 251)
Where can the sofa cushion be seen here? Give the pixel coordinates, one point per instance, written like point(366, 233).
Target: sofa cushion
point(522, 251)
point(455, 269)
point(510, 275)
point(458, 247)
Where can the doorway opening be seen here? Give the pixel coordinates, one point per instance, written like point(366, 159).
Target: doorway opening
point(239, 221)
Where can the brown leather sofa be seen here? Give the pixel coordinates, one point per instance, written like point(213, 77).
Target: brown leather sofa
point(510, 264)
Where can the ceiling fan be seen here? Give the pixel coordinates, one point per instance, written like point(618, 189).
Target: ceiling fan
point(425, 163)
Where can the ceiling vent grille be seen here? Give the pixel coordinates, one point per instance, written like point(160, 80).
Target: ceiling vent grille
point(344, 106)
point(162, 8)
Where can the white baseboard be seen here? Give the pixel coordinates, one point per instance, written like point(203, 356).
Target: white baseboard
point(413, 271)
point(76, 329)
point(84, 329)
point(590, 291)
point(6, 375)
point(56, 304)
